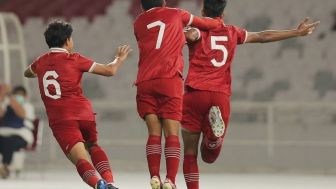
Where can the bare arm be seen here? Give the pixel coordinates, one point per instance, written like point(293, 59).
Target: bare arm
point(112, 68)
point(29, 73)
point(4, 91)
point(305, 28)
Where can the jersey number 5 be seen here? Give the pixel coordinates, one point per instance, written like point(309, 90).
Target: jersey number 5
point(52, 81)
point(161, 32)
point(215, 46)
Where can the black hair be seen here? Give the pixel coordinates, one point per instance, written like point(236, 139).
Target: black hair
point(148, 4)
point(214, 8)
point(20, 88)
point(57, 33)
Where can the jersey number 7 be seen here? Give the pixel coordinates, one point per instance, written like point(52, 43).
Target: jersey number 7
point(161, 32)
point(215, 46)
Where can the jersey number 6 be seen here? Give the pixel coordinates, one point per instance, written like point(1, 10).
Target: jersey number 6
point(52, 81)
point(161, 32)
point(215, 46)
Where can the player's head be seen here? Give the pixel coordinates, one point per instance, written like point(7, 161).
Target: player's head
point(213, 8)
point(58, 35)
point(148, 4)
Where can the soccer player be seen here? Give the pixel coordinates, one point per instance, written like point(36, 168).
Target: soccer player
point(160, 37)
point(206, 107)
point(70, 113)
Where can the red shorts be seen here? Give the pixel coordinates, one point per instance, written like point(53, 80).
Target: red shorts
point(196, 106)
point(70, 132)
point(162, 97)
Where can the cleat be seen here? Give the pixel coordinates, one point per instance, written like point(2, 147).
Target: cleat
point(101, 184)
point(111, 186)
point(216, 121)
point(168, 184)
point(155, 182)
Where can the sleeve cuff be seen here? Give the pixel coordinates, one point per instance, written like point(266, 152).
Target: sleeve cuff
point(92, 67)
point(31, 70)
point(191, 20)
point(246, 35)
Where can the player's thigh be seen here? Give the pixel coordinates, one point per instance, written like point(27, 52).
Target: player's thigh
point(153, 124)
point(146, 99)
point(89, 132)
point(190, 141)
point(77, 153)
point(67, 133)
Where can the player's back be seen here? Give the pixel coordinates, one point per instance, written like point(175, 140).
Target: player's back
point(211, 57)
point(159, 32)
point(59, 76)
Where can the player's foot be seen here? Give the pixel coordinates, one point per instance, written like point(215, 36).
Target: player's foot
point(111, 186)
point(168, 184)
point(101, 184)
point(216, 121)
point(155, 182)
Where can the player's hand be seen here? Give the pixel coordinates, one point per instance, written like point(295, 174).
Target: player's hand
point(123, 52)
point(306, 27)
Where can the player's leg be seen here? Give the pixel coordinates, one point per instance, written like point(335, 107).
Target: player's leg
point(190, 166)
point(215, 127)
point(70, 139)
point(154, 149)
point(78, 156)
point(172, 151)
point(98, 156)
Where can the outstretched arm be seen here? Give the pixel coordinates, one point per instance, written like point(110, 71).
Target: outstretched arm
point(305, 28)
point(112, 68)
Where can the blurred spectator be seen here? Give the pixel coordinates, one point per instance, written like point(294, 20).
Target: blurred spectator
point(16, 124)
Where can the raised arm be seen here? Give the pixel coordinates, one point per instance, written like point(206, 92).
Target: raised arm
point(205, 23)
point(305, 28)
point(112, 68)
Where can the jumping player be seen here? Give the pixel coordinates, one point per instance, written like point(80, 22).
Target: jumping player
point(159, 33)
point(71, 117)
point(206, 107)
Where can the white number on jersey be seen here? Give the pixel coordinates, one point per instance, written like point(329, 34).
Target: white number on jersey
point(47, 82)
point(161, 32)
point(215, 46)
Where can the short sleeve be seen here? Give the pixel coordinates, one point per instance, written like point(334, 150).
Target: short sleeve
point(241, 35)
point(33, 67)
point(85, 64)
point(186, 17)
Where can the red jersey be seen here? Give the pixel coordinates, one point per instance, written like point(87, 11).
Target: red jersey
point(159, 33)
point(211, 57)
point(59, 76)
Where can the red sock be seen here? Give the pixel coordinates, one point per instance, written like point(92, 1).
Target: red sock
point(172, 153)
point(101, 163)
point(153, 152)
point(87, 172)
point(190, 171)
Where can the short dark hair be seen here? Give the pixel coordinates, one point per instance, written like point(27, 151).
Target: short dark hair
point(20, 88)
point(57, 33)
point(214, 8)
point(148, 4)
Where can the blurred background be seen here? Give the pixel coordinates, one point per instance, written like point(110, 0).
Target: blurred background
point(283, 116)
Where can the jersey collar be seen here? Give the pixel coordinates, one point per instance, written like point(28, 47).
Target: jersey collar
point(58, 50)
